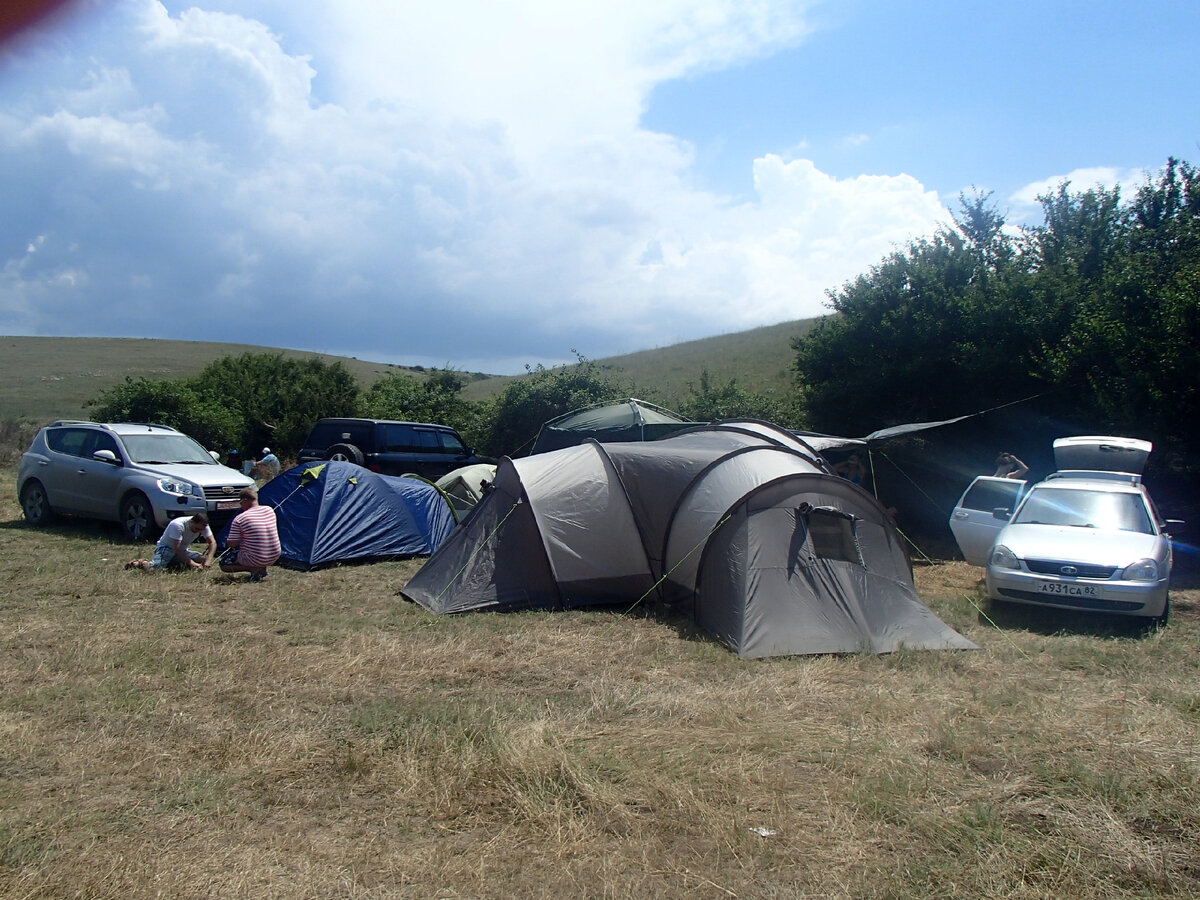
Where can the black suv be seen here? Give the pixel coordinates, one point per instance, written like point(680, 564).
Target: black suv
point(390, 448)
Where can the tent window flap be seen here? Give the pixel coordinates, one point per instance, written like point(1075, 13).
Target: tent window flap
point(832, 534)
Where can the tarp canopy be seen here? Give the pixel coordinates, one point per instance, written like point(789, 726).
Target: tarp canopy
point(739, 524)
point(623, 420)
point(332, 512)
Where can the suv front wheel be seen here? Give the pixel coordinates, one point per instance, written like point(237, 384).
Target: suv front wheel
point(347, 453)
point(137, 518)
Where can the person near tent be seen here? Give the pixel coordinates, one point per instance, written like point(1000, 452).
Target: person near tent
point(173, 550)
point(267, 466)
point(1008, 466)
point(253, 539)
point(852, 469)
point(234, 460)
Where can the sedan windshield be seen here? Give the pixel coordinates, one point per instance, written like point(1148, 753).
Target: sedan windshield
point(1108, 510)
point(165, 448)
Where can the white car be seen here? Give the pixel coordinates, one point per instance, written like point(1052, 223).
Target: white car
point(1082, 539)
point(139, 475)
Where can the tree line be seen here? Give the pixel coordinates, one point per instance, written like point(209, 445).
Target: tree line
point(1093, 314)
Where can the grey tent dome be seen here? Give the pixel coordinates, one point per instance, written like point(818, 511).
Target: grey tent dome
point(739, 524)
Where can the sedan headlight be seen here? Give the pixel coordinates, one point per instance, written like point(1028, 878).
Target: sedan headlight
point(184, 488)
point(1003, 558)
point(1142, 570)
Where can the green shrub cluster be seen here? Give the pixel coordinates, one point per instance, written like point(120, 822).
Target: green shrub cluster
point(1096, 313)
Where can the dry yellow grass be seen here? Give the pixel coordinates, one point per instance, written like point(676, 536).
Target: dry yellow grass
point(317, 736)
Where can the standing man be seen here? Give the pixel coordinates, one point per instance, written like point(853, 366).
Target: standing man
point(172, 550)
point(253, 538)
point(267, 467)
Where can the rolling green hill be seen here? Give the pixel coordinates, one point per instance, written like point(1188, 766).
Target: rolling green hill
point(44, 378)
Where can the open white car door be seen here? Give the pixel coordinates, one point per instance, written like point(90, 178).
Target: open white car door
point(974, 521)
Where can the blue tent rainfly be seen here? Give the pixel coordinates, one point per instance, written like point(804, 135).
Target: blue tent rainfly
point(334, 512)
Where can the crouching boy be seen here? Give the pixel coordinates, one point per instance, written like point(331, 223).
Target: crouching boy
point(173, 549)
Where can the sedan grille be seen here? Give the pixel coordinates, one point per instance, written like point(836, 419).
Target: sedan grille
point(1074, 570)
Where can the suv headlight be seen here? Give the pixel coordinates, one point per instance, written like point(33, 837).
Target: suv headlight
point(1142, 570)
point(184, 488)
point(1003, 558)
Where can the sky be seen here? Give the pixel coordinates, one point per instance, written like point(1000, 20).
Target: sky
point(492, 185)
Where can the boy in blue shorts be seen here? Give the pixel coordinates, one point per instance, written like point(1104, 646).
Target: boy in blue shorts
point(173, 548)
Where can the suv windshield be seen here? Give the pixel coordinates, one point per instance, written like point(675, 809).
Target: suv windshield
point(165, 448)
point(1108, 510)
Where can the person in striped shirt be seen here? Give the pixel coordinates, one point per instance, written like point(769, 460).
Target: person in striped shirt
point(253, 538)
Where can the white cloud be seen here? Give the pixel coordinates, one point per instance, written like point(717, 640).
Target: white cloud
point(420, 183)
point(1107, 177)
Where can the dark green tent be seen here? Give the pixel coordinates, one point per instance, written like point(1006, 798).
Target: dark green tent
point(620, 421)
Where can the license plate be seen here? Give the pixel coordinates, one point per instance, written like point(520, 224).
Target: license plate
point(1069, 590)
point(228, 504)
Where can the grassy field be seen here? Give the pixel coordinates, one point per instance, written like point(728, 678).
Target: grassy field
point(47, 378)
point(316, 735)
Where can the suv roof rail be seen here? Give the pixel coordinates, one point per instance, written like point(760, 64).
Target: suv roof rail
point(1096, 475)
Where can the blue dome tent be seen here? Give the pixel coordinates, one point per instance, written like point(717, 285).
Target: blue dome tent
point(334, 512)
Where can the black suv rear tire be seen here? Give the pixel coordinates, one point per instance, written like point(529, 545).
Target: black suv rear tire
point(346, 453)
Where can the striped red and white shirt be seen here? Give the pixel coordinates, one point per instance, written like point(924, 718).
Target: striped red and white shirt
point(257, 537)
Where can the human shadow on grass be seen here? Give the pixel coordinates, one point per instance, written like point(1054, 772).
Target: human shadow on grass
point(70, 526)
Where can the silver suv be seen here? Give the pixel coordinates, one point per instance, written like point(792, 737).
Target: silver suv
point(139, 475)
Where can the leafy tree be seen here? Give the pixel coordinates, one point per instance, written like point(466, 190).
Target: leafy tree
point(278, 398)
point(711, 403)
point(931, 331)
point(434, 398)
point(522, 407)
point(1133, 344)
point(173, 403)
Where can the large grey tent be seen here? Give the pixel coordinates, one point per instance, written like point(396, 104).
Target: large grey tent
point(622, 420)
point(739, 524)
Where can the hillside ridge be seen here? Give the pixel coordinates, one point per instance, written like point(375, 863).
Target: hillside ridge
point(44, 378)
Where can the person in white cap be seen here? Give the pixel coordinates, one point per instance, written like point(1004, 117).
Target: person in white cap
point(267, 466)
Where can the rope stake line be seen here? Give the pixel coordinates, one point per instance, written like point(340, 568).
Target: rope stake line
point(699, 543)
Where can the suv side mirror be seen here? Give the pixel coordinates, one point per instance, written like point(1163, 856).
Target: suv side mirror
point(106, 456)
point(1001, 512)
